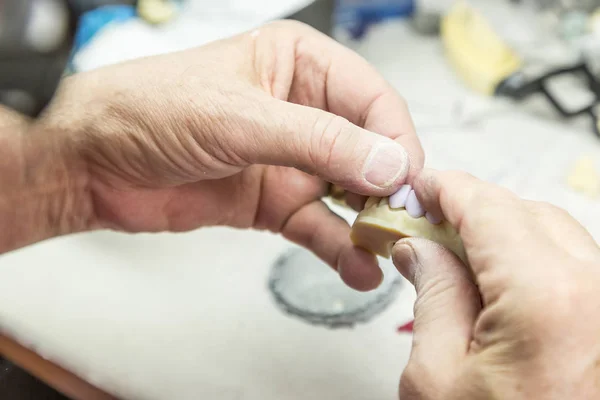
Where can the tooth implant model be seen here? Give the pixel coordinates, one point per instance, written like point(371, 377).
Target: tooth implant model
point(384, 221)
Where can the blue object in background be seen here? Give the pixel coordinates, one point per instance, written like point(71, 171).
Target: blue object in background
point(93, 21)
point(356, 16)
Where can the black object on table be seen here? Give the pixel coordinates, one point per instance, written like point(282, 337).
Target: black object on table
point(16, 384)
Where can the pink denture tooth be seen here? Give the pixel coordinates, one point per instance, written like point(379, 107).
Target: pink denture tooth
point(398, 199)
point(413, 207)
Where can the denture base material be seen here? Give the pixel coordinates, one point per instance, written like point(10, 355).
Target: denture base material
point(378, 227)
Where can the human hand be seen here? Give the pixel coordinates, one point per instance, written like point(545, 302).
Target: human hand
point(523, 321)
point(218, 135)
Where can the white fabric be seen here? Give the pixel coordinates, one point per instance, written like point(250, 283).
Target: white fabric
point(200, 22)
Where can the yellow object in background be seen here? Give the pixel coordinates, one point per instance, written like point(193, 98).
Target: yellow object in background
point(478, 54)
point(156, 11)
point(594, 21)
point(585, 178)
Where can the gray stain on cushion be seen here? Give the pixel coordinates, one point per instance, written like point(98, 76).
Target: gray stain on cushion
point(305, 287)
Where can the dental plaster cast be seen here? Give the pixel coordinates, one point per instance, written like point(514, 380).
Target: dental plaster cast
point(384, 221)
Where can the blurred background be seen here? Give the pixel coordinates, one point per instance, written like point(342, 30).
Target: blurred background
point(507, 90)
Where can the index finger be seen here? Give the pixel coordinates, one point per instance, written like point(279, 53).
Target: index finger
point(484, 213)
point(509, 242)
point(491, 220)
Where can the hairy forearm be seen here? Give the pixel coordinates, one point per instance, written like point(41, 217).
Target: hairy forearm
point(43, 185)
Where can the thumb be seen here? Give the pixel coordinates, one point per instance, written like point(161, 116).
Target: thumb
point(447, 304)
point(329, 146)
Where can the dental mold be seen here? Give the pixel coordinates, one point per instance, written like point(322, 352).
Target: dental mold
point(378, 227)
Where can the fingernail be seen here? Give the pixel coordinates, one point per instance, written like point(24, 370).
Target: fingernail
point(432, 218)
point(398, 199)
point(413, 207)
point(405, 260)
point(387, 162)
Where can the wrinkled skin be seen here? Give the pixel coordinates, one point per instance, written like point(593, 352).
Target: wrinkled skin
point(220, 135)
point(523, 320)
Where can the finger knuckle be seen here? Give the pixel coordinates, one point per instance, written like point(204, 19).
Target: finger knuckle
point(329, 133)
point(478, 191)
point(432, 290)
point(486, 200)
point(402, 102)
point(547, 210)
point(453, 182)
point(457, 176)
